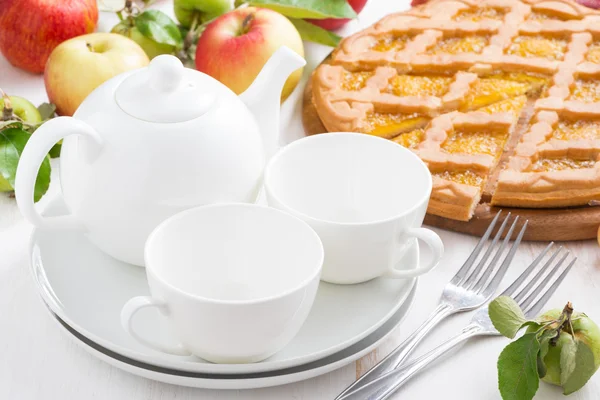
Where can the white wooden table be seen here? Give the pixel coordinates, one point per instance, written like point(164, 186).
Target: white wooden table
point(38, 362)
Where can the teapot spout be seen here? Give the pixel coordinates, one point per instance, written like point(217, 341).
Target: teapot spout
point(263, 97)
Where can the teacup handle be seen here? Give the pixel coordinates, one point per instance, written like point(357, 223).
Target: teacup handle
point(131, 308)
point(36, 150)
point(432, 240)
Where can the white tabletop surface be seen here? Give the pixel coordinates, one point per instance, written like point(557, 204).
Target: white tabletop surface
point(38, 362)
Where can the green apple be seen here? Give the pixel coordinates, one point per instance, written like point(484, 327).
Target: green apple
point(29, 113)
point(186, 10)
point(584, 329)
point(150, 47)
point(23, 109)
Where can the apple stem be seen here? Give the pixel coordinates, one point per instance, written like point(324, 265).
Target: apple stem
point(7, 110)
point(192, 33)
point(565, 323)
point(89, 46)
point(249, 18)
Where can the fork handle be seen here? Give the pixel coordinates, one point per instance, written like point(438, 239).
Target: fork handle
point(383, 387)
point(400, 353)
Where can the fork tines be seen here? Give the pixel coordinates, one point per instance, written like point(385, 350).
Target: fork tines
point(532, 297)
point(483, 275)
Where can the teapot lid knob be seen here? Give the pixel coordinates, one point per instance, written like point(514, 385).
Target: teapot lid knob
point(166, 73)
point(166, 92)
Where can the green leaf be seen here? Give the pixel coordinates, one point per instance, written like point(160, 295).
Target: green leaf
point(584, 368)
point(544, 340)
point(55, 150)
point(12, 143)
point(10, 124)
point(568, 354)
point(314, 33)
point(506, 316)
point(157, 26)
point(47, 111)
point(318, 9)
point(517, 368)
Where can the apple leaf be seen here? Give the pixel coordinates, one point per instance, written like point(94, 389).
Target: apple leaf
point(568, 353)
point(316, 9)
point(157, 26)
point(12, 143)
point(314, 33)
point(506, 315)
point(10, 124)
point(544, 340)
point(583, 370)
point(517, 368)
point(47, 111)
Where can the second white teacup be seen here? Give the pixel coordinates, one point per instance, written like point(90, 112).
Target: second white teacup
point(365, 196)
point(234, 281)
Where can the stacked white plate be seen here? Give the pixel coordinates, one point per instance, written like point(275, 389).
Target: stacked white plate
point(85, 289)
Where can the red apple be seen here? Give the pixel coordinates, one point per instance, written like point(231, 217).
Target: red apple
point(79, 65)
point(31, 29)
point(590, 3)
point(335, 23)
point(235, 46)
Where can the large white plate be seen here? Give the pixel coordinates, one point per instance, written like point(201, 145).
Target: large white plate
point(244, 381)
point(86, 289)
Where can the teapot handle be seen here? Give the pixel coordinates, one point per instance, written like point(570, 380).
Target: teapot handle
point(36, 150)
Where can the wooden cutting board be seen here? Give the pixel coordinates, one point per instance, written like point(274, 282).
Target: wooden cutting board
point(556, 224)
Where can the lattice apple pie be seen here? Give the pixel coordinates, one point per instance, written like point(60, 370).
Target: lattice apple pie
point(500, 98)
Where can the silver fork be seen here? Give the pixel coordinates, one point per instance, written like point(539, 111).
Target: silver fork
point(467, 290)
point(530, 298)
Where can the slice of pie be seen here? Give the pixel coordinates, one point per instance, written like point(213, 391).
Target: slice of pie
point(500, 98)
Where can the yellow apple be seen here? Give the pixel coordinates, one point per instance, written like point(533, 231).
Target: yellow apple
point(79, 65)
point(235, 46)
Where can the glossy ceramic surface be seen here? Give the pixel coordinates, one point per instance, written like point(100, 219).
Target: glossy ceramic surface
point(234, 281)
point(132, 158)
point(244, 381)
point(365, 196)
point(87, 289)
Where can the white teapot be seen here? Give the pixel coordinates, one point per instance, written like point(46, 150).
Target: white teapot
point(152, 142)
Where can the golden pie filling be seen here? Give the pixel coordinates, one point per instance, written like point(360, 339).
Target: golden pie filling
point(486, 91)
point(560, 164)
point(465, 177)
point(480, 13)
point(514, 106)
point(575, 130)
point(587, 91)
point(355, 81)
point(391, 43)
point(410, 139)
point(593, 54)
point(459, 45)
point(475, 142)
point(391, 125)
point(544, 15)
point(537, 82)
point(412, 85)
point(538, 46)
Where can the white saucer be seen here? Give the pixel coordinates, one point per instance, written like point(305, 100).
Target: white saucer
point(86, 289)
point(244, 381)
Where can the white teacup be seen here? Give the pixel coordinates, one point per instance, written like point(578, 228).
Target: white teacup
point(234, 281)
point(365, 196)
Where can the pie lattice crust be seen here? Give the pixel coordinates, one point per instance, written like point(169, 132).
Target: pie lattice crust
point(500, 98)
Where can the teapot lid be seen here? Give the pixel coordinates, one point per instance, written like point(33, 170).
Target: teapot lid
point(166, 92)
